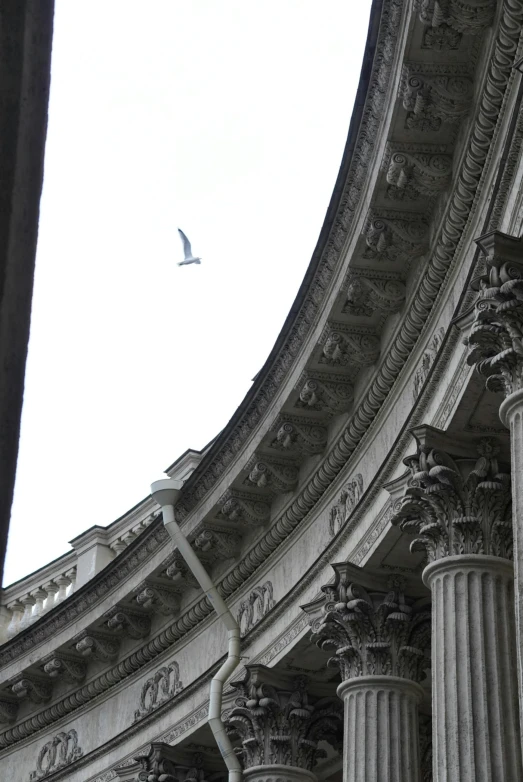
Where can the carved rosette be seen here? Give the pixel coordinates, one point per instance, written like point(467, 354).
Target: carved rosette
point(371, 632)
point(278, 723)
point(457, 506)
point(496, 337)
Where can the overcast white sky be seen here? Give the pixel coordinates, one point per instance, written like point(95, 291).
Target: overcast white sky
point(226, 118)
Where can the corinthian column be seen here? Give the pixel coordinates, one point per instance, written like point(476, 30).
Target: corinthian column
point(496, 347)
point(379, 638)
point(460, 509)
point(280, 726)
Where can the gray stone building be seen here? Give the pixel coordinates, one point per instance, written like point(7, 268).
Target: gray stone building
point(362, 512)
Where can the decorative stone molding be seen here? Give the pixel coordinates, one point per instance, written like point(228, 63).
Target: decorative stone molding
point(349, 498)
point(272, 475)
point(8, 709)
point(277, 722)
point(372, 631)
point(416, 173)
point(178, 573)
point(161, 687)
point(34, 688)
point(330, 394)
point(125, 621)
point(304, 435)
point(427, 360)
point(496, 337)
point(163, 763)
point(254, 608)
point(157, 598)
point(441, 39)
point(435, 93)
point(395, 237)
point(456, 505)
point(96, 645)
point(58, 664)
point(237, 506)
point(56, 754)
point(344, 347)
point(366, 295)
point(217, 544)
point(465, 16)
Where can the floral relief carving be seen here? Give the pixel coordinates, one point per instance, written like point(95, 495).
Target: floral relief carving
point(295, 434)
point(344, 348)
point(56, 754)
point(244, 508)
point(434, 94)
point(465, 16)
point(161, 687)
point(457, 506)
point(278, 723)
point(395, 237)
point(427, 360)
point(255, 607)
point(366, 295)
point(426, 174)
point(371, 632)
point(349, 498)
point(328, 394)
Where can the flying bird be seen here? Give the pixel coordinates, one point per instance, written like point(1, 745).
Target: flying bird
point(189, 257)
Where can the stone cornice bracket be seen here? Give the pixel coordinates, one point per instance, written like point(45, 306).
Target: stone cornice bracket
point(426, 173)
point(307, 436)
point(125, 621)
point(240, 507)
point(277, 721)
point(328, 394)
point(96, 645)
point(178, 573)
point(366, 295)
point(466, 16)
point(157, 598)
point(496, 338)
point(275, 476)
point(59, 664)
point(163, 763)
point(458, 498)
point(344, 347)
point(8, 710)
point(435, 92)
point(371, 625)
point(395, 237)
point(217, 544)
point(34, 688)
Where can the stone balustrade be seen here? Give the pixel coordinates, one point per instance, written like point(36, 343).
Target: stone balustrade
point(27, 608)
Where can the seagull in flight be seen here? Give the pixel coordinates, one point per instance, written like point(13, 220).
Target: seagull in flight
point(189, 257)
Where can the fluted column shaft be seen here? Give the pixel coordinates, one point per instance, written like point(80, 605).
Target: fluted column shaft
point(511, 414)
point(381, 733)
point(475, 709)
point(278, 773)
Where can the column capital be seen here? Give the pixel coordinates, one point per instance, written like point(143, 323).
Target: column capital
point(279, 723)
point(458, 497)
point(496, 338)
point(372, 626)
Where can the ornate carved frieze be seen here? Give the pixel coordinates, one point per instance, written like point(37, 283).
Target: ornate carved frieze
point(456, 504)
point(435, 93)
point(427, 360)
point(254, 608)
point(8, 709)
point(35, 688)
point(345, 347)
point(271, 475)
point(307, 436)
point(465, 16)
point(496, 337)
point(59, 664)
point(157, 598)
point(56, 754)
point(395, 237)
point(277, 721)
point(96, 645)
point(125, 621)
point(371, 632)
point(329, 394)
point(413, 170)
point(441, 39)
point(161, 687)
point(348, 499)
point(217, 544)
point(367, 295)
point(241, 507)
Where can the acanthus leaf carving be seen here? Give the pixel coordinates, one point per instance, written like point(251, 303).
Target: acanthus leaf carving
point(372, 631)
point(58, 753)
point(163, 763)
point(431, 94)
point(34, 688)
point(244, 508)
point(395, 237)
point(469, 17)
point(178, 573)
point(96, 645)
point(125, 621)
point(159, 689)
point(341, 346)
point(295, 434)
point(425, 173)
point(272, 475)
point(366, 295)
point(157, 598)
point(349, 498)
point(58, 664)
point(217, 544)
point(279, 723)
point(328, 394)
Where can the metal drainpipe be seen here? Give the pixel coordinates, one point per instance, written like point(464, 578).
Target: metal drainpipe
point(165, 493)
